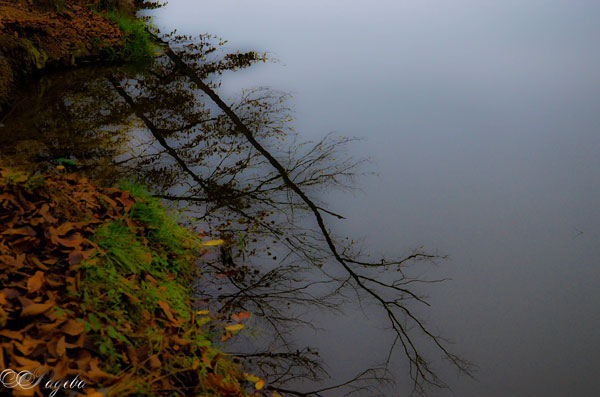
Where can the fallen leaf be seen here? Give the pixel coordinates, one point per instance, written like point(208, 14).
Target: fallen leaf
point(75, 257)
point(132, 355)
point(44, 212)
point(251, 378)
point(73, 327)
point(243, 315)
point(35, 282)
point(61, 348)
point(234, 327)
point(11, 334)
point(71, 241)
point(37, 308)
point(154, 361)
point(259, 385)
point(206, 360)
point(165, 307)
point(25, 363)
point(20, 231)
point(95, 374)
point(211, 243)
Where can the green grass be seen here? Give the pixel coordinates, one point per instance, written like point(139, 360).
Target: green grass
point(137, 42)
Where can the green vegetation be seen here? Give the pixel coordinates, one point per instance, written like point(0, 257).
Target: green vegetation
point(147, 261)
point(137, 43)
point(106, 288)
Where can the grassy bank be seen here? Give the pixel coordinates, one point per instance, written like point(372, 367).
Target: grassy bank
point(96, 282)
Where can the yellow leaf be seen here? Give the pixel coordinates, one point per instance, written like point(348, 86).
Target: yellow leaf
point(275, 394)
point(259, 385)
point(200, 312)
point(60, 167)
point(211, 243)
point(234, 327)
point(251, 378)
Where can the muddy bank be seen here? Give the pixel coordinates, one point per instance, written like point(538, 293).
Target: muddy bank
point(38, 35)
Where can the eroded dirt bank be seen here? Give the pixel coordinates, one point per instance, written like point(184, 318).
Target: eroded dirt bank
point(40, 34)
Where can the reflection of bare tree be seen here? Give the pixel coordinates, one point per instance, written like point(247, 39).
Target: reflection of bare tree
point(240, 170)
point(391, 296)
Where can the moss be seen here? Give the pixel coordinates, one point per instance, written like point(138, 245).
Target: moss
point(37, 56)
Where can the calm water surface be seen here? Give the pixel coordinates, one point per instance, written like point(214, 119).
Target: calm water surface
point(482, 118)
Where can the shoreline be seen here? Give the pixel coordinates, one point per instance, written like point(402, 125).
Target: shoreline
point(52, 34)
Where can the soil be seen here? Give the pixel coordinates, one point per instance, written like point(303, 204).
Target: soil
point(41, 34)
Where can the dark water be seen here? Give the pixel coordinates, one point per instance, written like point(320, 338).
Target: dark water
point(482, 119)
point(482, 123)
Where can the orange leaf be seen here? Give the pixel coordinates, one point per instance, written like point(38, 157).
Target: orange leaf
point(44, 212)
point(25, 363)
point(96, 374)
point(243, 315)
point(260, 384)
point(71, 241)
point(165, 307)
point(154, 361)
point(206, 360)
point(61, 348)
point(11, 334)
point(35, 282)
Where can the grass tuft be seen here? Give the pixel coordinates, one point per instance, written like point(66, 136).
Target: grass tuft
point(137, 42)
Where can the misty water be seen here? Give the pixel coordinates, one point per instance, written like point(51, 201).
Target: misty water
point(482, 120)
point(482, 124)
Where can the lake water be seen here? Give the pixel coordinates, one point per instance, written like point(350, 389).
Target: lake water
point(483, 122)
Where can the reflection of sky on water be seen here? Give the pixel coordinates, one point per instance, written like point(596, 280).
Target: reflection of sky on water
point(482, 120)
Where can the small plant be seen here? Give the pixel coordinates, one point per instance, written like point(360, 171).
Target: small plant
point(34, 182)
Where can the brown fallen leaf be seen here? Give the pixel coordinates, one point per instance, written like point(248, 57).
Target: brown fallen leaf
point(132, 355)
point(206, 360)
point(83, 359)
point(61, 348)
point(74, 240)
point(75, 257)
point(167, 310)
point(95, 374)
point(154, 361)
point(11, 334)
point(73, 327)
point(35, 282)
point(37, 308)
point(21, 231)
point(44, 211)
point(24, 364)
point(62, 368)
